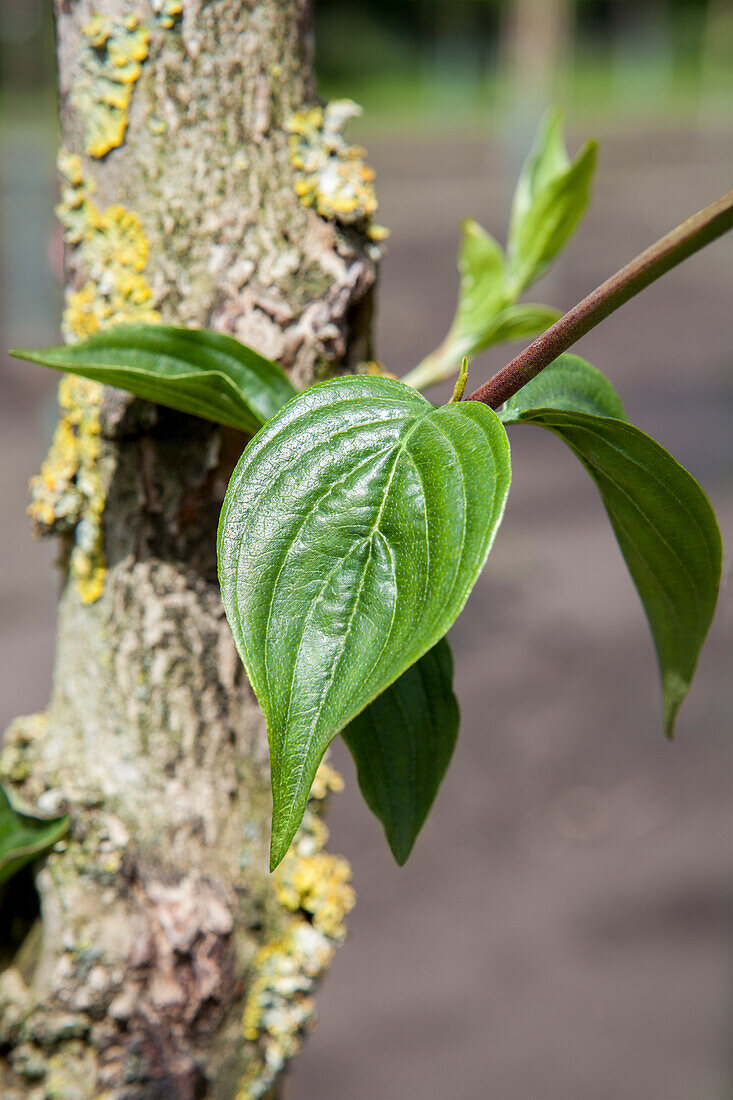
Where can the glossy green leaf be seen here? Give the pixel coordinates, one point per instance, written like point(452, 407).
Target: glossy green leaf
point(664, 523)
point(352, 531)
point(23, 837)
point(195, 371)
point(402, 744)
point(550, 200)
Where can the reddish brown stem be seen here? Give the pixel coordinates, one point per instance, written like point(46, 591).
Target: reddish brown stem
point(693, 234)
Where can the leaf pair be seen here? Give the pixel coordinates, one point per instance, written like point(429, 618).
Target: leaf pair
point(549, 201)
point(214, 376)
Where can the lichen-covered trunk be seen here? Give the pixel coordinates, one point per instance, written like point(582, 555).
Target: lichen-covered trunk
point(202, 185)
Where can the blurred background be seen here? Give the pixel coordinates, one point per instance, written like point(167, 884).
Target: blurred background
point(563, 928)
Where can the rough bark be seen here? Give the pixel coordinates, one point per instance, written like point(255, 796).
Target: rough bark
point(165, 962)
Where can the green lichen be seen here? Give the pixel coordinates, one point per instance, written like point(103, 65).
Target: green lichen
point(332, 174)
point(110, 65)
point(313, 888)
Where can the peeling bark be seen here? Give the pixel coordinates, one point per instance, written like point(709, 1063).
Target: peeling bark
point(157, 918)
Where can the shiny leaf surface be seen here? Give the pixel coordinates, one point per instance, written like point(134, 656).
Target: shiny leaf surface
point(402, 744)
point(352, 531)
point(196, 371)
point(664, 523)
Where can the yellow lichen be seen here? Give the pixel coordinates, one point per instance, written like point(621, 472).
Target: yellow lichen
point(374, 367)
point(114, 249)
point(167, 12)
point(69, 492)
point(313, 888)
point(110, 65)
point(327, 779)
point(332, 175)
point(318, 885)
point(68, 496)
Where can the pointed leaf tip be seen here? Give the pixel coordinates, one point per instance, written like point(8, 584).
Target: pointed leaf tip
point(402, 744)
point(196, 371)
point(664, 523)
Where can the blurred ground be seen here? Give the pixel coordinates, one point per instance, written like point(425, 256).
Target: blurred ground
point(562, 930)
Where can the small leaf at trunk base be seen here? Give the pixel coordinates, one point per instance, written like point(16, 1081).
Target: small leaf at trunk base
point(664, 523)
point(206, 374)
point(23, 837)
point(352, 532)
point(402, 744)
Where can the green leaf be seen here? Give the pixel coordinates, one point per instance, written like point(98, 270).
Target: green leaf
point(549, 202)
point(195, 371)
point(518, 322)
point(664, 523)
point(485, 313)
point(23, 837)
point(352, 532)
point(569, 383)
point(481, 289)
point(402, 744)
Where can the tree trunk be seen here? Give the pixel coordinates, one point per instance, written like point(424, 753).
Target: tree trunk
point(165, 962)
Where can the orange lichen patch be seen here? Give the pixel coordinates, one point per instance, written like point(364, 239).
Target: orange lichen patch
point(332, 174)
point(110, 65)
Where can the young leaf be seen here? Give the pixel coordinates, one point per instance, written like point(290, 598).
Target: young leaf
point(549, 202)
point(195, 371)
point(352, 531)
point(402, 744)
point(481, 290)
point(23, 837)
point(518, 322)
point(486, 313)
point(664, 523)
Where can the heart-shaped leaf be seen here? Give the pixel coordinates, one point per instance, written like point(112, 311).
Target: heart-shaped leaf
point(23, 837)
point(549, 201)
point(664, 523)
point(195, 371)
point(402, 744)
point(352, 531)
